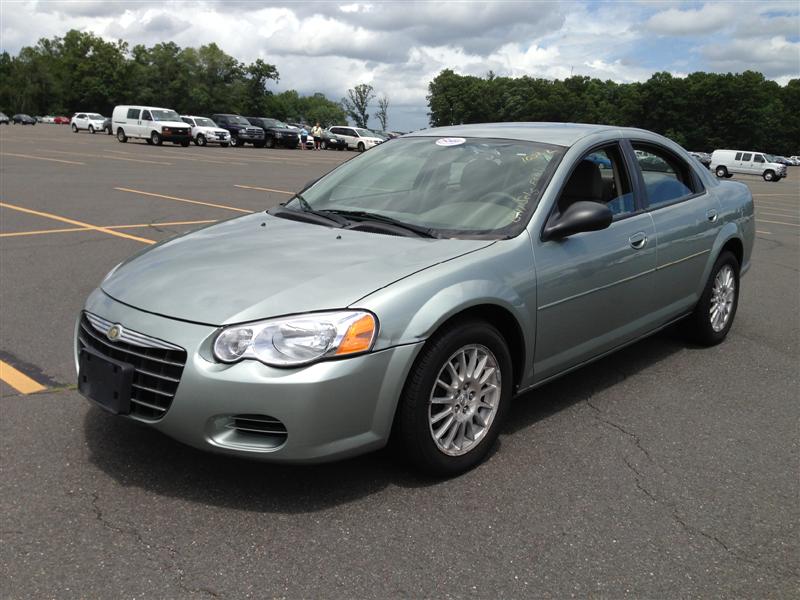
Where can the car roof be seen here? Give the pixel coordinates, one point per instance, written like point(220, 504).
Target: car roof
point(559, 134)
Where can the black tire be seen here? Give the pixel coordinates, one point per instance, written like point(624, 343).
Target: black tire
point(361, 147)
point(259, 144)
point(769, 175)
point(155, 138)
point(148, 141)
point(412, 429)
point(91, 129)
point(185, 143)
point(270, 142)
point(224, 144)
point(121, 137)
point(721, 171)
point(200, 140)
point(699, 323)
point(109, 131)
point(341, 148)
point(235, 142)
point(74, 128)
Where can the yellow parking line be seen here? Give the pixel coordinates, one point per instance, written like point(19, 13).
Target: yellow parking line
point(139, 160)
point(66, 162)
point(263, 189)
point(223, 206)
point(18, 380)
point(777, 222)
point(78, 223)
point(73, 229)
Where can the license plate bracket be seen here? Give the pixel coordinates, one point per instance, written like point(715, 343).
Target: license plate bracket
point(106, 381)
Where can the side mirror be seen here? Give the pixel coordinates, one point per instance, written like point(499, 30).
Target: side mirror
point(580, 216)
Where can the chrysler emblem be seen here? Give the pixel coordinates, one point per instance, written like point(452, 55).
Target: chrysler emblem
point(114, 332)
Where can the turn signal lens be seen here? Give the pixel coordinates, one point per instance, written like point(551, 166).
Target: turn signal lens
point(359, 336)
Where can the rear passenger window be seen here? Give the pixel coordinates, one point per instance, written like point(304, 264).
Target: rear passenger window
point(747, 157)
point(666, 177)
point(133, 113)
point(738, 156)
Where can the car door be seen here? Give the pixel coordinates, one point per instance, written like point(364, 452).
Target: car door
point(594, 289)
point(746, 164)
point(80, 121)
point(686, 219)
point(132, 123)
point(146, 124)
point(758, 164)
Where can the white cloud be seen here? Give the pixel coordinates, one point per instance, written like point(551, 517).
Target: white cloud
point(710, 17)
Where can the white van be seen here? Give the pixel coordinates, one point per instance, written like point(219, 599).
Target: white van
point(726, 163)
point(153, 124)
point(357, 138)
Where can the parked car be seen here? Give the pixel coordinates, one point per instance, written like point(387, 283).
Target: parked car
point(703, 157)
point(242, 132)
point(276, 133)
point(205, 131)
point(796, 159)
point(727, 163)
point(412, 291)
point(356, 138)
point(61, 120)
point(153, 124)
point(386, 135)
point(107, 126)
point(4, 120)
point(332, 142)
point(91, 122)
point(782, 160)
point(23, 119)
point(48, 119)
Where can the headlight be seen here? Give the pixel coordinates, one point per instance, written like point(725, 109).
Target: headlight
point(279, 135)
point(298, 340)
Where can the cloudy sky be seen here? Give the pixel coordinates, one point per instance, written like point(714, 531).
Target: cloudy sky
point(398, 47)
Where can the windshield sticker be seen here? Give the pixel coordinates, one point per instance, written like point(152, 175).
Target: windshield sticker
point(450, 141)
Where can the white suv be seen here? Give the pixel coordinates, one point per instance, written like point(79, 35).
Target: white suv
point(89, 121)
point(205, 131)
point(356, 137)
point(726, 163)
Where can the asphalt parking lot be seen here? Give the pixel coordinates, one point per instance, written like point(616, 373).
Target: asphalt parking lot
point(665, 470)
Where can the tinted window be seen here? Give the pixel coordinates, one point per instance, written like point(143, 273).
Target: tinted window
point(133, 113)
point(146, 115)
point(187, 120)
point(747, 157)
point(758, 158)
point(81, 116)
point(336, 130)
point(666, 177)
point(738, 156)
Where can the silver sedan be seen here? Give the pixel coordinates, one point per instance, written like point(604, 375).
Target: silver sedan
point(409, 294)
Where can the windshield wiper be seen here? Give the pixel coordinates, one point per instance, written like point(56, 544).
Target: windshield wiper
point(314, 216)
point(370, 216)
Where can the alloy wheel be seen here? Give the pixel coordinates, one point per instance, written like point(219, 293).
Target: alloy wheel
point(722, 296)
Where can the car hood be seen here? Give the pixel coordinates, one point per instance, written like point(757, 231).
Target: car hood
point(172, 124)
point(260, 266)
point(283, 130)
point(204, 129)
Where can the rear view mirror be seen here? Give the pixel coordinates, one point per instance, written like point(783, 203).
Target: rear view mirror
point(579, 216)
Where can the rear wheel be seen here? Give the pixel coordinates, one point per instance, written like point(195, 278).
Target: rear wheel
point(121, 135)
point(155, 138)
point(769, 175)
point(455, 398)
point(713, 316)
point(721, 171)
point(200, 140)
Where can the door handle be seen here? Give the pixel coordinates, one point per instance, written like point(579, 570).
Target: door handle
point(711, 215)
point(638, 240)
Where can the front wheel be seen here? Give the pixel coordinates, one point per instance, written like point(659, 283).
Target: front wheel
point(74, 128)
point(235, 142)
point(91, 129)
point(200, 140)
point(185, 143)
point(155, 138)
point(721, 172)
point(769, 175)
point(270, 142)
point(713, 316)
point(361, 147)
point(455, 398)
point(121, 135)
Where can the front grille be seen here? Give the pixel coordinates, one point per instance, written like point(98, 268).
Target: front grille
point(269, 430)
point(158, 365)
point(255, 131)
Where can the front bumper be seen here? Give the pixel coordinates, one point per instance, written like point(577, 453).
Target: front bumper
point(330, 410)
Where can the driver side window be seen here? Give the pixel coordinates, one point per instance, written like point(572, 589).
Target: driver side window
point(600, 176)
point(146, 115)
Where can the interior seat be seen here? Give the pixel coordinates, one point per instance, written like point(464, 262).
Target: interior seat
point(585, 183)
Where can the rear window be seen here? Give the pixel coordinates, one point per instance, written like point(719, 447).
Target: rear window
point(666, 177)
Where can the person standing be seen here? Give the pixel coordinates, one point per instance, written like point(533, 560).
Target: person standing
point(316, 131)
point(303, 137)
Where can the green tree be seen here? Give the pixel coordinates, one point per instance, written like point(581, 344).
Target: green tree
point(357, 102)
point(382, 113)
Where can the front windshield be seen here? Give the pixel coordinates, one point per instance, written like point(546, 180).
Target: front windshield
point(239, 120)
point(165, 115)
point(95, 116)
point(203, 122)
point(465, 185)
point(770, 157)
point(365, 132)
